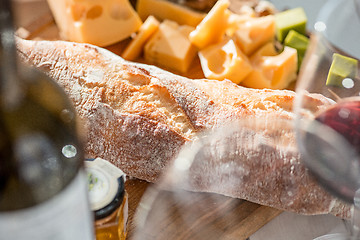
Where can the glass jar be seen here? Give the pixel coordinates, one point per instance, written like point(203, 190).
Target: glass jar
point(108, 199)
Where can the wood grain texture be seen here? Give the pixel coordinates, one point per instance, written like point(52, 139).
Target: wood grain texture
point(135, 189)
point(188, 215)
point(232, 218)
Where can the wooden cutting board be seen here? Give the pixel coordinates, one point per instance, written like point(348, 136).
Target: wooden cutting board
point(249, 216)
point(227, 218)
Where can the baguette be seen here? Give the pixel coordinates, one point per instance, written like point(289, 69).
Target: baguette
point(139, 117)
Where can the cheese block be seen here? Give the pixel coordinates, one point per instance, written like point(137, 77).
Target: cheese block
point(212, 28)
point(170, 47)
point(272, 70)
point(342, 67)
point(254, 33)
point(224, 61)
point(292, 19)
point(134, 49)
point(235, 19)
point(97, 22)
point(162, 10)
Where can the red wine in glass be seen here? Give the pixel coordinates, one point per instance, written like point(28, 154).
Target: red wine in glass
point(331, 148)
point(344, 118)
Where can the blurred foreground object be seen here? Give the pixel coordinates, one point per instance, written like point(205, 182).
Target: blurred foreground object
point(42, 182)
point(329, 140)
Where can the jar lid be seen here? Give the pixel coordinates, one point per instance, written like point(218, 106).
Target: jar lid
point(105, 185)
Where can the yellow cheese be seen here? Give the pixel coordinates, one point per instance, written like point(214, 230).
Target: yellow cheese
point(134, 49)
point(97, 22)
point(254, 33)
point(272, 70)
point(212, 28)
point(246, 13)
point(163, 9)
point(170, 47)
point(224, 61)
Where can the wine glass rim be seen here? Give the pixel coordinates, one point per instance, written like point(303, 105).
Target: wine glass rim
point(341, 31)
point(357, 7)
point(335, 236)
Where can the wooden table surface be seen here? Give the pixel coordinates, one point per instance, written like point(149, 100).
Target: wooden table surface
point(35, 21)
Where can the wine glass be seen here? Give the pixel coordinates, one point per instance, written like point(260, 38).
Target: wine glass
point(225, 161)
point(329, 137)
point(212, 163)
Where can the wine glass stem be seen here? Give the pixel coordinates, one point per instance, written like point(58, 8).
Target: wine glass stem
point(356, 216)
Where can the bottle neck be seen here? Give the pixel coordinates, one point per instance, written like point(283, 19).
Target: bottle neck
point(10, 87)
point(7, 41)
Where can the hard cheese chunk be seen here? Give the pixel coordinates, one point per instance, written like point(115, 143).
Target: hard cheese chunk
point(341, 67)
point(224, 61)
point(252, 34)
point(170, 47)
point(272, 70)
point(292, 19)
point(97, 22)
point(236, 19)
point(163, 9)
point(134, 49)
point(212, 28)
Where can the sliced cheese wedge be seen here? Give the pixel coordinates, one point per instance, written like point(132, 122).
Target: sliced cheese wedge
point(170, 47)
point(224, 61)
point(212, 28)
point(97, 22)
point(272, 70)
point(135, 47)
point(163, 9)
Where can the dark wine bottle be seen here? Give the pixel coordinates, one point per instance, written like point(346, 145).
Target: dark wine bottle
point(43, 187)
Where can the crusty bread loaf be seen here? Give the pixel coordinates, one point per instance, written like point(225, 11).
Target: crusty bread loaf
point(139, 117)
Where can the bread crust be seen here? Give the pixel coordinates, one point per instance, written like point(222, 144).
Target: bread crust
point(139, 117)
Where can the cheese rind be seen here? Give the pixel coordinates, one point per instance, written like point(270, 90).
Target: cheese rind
point(167, 10)
point(224, 61)
point(135, 47)
point(292, 19)
point(212, 28)
point(170, 47)
point(272, 70)
point(96, 22)
point(299, 42)
point(341, 67)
